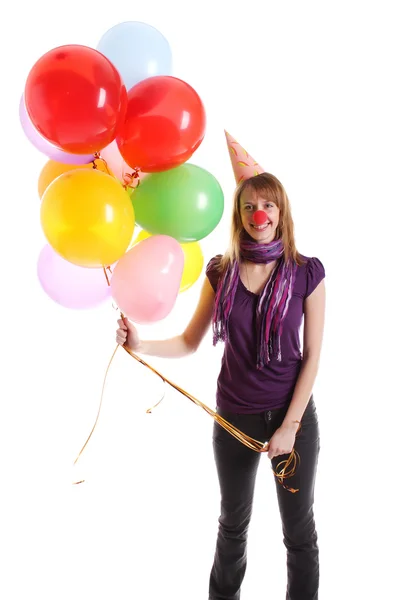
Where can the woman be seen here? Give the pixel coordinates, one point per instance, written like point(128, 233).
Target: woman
point(255, 296)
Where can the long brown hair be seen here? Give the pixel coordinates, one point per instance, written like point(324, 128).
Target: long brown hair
point(269, 187)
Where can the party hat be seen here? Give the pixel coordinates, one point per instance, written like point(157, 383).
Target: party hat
point(244, 166)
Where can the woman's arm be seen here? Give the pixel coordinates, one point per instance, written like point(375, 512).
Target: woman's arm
point(190, 339)
point(314, 319)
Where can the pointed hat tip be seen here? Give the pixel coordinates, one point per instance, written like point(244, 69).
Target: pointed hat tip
point(244, 166)
point(228, 136)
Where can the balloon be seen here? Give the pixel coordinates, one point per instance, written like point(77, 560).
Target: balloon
point(52, 170)
point(186, 203)
point(44, 146)
point(119, 168)
point(164, 124)
point(75, 98)
point(116, 163)
point(87, 217)
point(68, 285)
point(145, 281)
point(193, 261)
point(137, 50)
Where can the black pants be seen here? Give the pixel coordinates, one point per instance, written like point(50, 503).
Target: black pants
point(237, 468)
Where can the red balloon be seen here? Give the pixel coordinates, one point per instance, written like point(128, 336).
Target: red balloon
point(165, 123)
point(76, 99)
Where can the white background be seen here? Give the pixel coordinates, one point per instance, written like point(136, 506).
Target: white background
point(310, 89)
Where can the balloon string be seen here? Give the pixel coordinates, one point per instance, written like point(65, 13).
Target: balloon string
point(98, 413)
point(289, 465)
point(97, 156)
point(106, 276)
point(149, 410)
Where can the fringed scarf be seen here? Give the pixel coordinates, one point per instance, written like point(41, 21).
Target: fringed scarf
point(273, 302)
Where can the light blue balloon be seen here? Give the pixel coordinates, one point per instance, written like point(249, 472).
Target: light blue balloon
point(137, 50)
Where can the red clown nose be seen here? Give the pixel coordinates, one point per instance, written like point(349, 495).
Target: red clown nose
point(259, 217)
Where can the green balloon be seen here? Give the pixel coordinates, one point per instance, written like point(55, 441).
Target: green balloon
point(185, 203)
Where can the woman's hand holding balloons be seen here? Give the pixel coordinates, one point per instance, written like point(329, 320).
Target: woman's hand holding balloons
point(127, 334)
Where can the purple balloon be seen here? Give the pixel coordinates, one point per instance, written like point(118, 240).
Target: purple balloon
point(69, 285)
point(46, 147)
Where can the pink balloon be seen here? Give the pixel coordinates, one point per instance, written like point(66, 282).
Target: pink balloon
point(69, 285)
point(116, 163)
point(145, 282)
point(46, 147)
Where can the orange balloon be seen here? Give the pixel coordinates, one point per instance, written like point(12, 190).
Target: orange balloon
point(53, 169)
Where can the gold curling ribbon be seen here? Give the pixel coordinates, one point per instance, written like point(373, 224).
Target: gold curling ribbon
point(283, 472)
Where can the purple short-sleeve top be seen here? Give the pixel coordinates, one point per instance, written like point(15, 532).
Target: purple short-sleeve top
point(241, 387)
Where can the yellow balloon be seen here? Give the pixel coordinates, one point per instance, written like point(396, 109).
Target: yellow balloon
point(194, 260)
point(141, 236)
point(53, 169)
point(87, 217)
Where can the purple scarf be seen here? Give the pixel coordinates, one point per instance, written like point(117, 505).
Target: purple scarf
point(273, 302)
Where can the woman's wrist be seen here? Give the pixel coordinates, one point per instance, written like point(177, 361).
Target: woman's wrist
point(290, 424)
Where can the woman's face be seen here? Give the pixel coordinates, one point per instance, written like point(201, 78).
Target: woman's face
point(250, 203)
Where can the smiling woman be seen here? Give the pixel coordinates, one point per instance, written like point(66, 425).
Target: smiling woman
point(265, 384)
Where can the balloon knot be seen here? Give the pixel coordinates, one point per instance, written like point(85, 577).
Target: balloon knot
point(132, 179)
